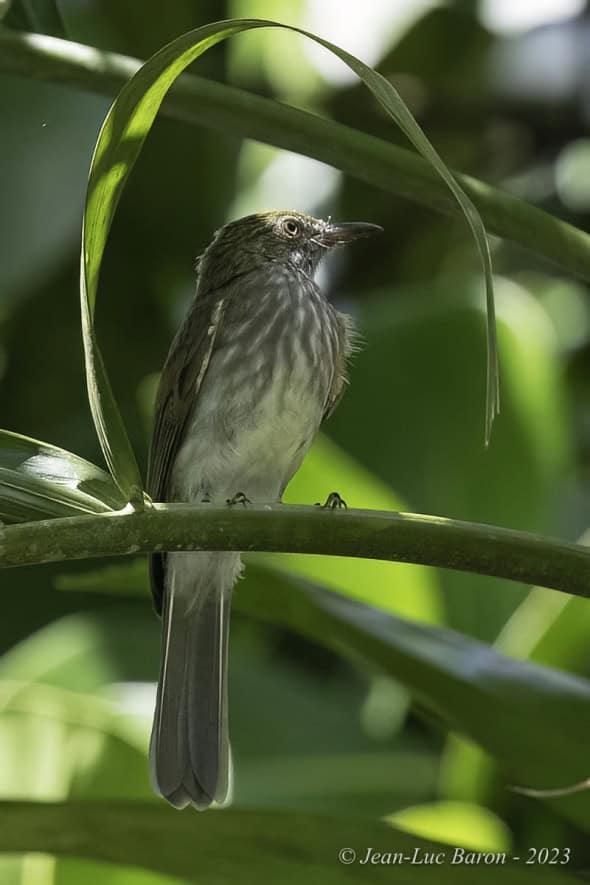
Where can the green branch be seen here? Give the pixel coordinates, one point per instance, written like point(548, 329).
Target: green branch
point(370, 534)
point(206, 103)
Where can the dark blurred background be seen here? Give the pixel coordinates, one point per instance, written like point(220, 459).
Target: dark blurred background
point(501, 90)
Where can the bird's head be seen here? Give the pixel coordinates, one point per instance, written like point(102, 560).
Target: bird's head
point(286, 237)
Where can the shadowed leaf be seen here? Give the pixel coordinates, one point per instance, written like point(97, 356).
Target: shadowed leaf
point(249, 846)
point(38, 481)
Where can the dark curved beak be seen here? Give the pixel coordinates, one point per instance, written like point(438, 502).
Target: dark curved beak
point(347, 232)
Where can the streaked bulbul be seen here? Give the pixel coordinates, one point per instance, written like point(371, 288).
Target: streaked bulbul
point(257, 365)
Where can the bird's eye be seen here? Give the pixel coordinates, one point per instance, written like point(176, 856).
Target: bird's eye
point(291, 227)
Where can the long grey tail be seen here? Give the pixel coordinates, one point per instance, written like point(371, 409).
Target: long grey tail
point(189, 748)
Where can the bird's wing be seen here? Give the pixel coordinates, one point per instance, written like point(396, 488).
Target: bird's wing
point(346, 345)
point(336, 394)
point(181, 380)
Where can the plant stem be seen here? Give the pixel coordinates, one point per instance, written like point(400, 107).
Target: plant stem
point(227, 109)
point(370, 534)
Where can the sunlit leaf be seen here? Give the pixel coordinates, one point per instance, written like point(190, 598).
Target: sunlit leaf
point(83, 652)
point(405, 589)
point(456, 823)
point(427, 445)
point(547, 628)
point(38, 480)
point(550, 629)
point(71, 709)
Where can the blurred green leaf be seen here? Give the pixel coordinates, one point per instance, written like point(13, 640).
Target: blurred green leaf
point(406, 589)
point(55, 743)
point(101, 749)
point(84, 652)
point(550, 629)
point(123, 133)
point(212, 848)
point(38, 480)
point(65, 654)
point(364, 784)
point(533, 720)
point(89, 713)
point(411, 414)
point(47, 137)
point(127, 579)
point(456, 823)
point(467, 772)
point(547, 628)
point(76, 872)
point(43, 16)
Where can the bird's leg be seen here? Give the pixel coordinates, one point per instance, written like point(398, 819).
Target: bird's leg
point(238, 498)
point(333, 502)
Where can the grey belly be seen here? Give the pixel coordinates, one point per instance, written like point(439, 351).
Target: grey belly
point(249, 440)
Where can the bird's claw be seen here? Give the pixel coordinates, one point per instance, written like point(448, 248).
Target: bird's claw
point(333, 502)
point(238, 498)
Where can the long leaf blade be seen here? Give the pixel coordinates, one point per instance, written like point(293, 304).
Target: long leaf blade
point(38, 481)
point(533, 720)
point(279, 846)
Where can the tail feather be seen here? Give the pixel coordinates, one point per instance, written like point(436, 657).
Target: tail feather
point(189, 750)
point(207, 732)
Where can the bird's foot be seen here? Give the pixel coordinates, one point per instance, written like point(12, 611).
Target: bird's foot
point(333, 502)
point(238, 498)
point(206, 500)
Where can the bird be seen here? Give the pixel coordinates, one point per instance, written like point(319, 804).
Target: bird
point(259, 362)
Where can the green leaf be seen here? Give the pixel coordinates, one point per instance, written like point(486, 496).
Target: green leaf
point(550, 629)
point(123, 133)
point(249, 846)
point(83, 652)
point(456, 823)
point(402, 588)
point(547, 628)
point(427, 447)
point(533, 720)
point(205, 103)
point(38, 480)
point(63, 721)
point(56, 743)
point(72, 709)
point(128, 578)
point(107, 418)
point(76, 872)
